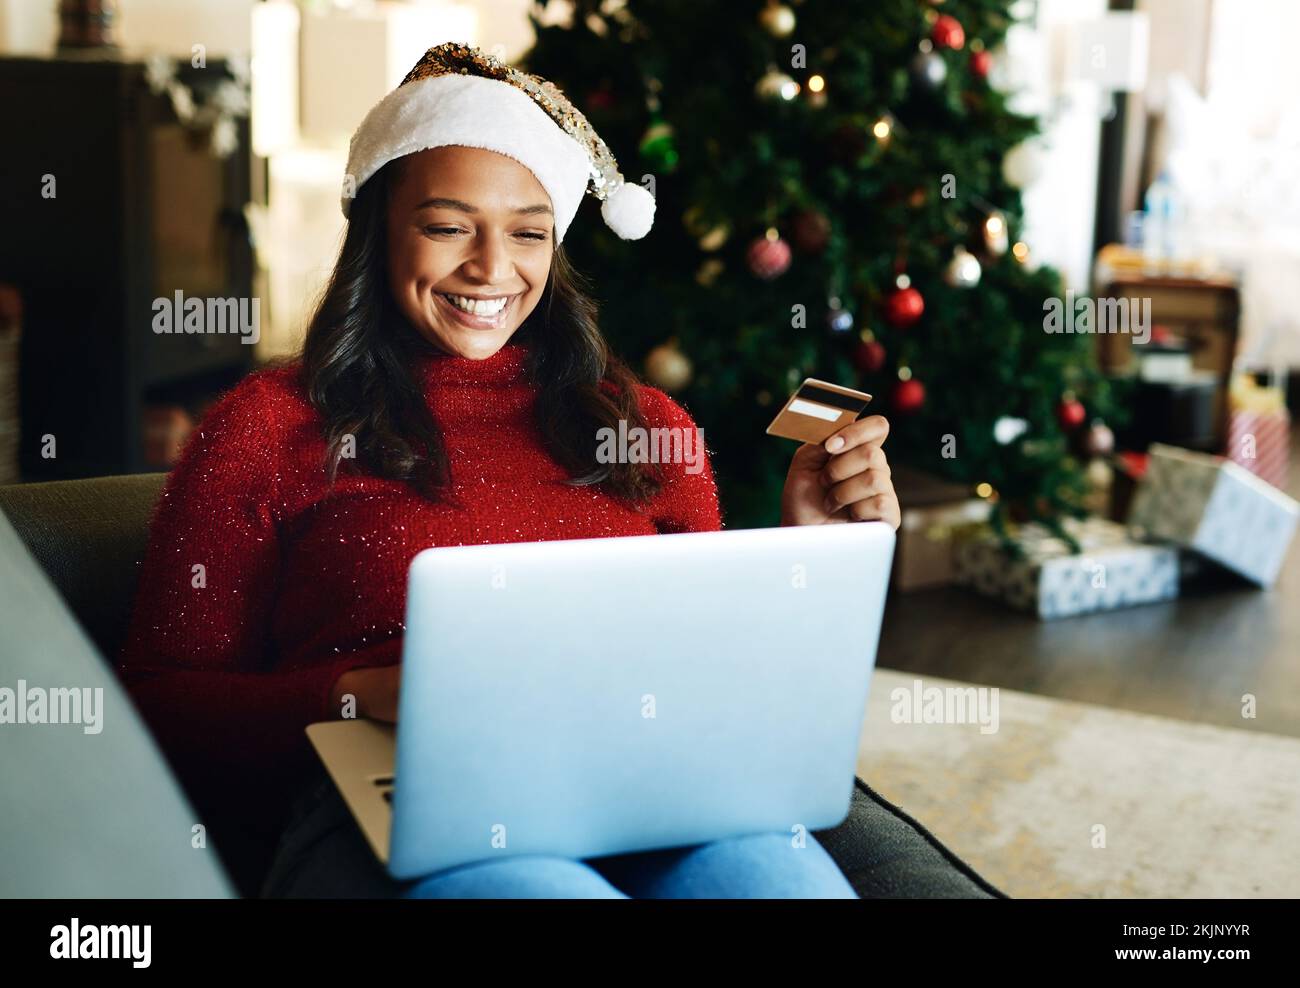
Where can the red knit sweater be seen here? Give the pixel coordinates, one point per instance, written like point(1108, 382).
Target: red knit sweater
point(260, 586)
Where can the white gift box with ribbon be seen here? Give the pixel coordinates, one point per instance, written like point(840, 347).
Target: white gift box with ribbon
point(1217, 508)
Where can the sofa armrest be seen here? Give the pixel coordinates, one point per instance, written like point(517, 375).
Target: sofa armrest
point(91, 808)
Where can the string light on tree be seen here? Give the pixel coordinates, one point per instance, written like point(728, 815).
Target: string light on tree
point(775, 84)
point(816, 90)
point(707, 273)
point(710, 236)
point(777, 19)
point(995, 233)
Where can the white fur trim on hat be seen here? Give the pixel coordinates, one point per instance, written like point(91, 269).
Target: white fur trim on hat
point(471, 111)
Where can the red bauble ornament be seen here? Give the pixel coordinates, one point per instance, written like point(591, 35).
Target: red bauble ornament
point(599, 99)
point(903, 307)
point(908, 396)
point(947, 32)
point(768, 257)
point(847, 143)
point(811, 231)
point(980, 64)
point(869, 356)
point(1071, 413)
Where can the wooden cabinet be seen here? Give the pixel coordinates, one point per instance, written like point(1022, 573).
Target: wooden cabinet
point(1205, 312)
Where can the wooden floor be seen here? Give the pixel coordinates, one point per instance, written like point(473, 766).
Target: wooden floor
point(1193, 658)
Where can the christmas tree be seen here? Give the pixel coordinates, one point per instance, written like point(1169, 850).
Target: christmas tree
point(836, 197)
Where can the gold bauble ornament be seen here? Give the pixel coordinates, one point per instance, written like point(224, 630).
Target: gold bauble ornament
point(668, 368)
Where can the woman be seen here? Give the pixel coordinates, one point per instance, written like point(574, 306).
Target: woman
point(450, 391)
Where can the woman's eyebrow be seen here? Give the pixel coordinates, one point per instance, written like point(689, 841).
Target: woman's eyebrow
point(465, 207)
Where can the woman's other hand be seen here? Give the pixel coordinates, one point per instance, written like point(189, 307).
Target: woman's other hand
point(375, 691)
point(846, 478)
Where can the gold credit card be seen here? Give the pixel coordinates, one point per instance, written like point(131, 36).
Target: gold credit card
point(817, 411)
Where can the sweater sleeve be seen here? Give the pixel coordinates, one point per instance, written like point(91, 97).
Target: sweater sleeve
point(198, 657)
point(689, 499)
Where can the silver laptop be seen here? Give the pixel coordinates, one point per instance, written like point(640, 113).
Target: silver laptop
point(599, 696)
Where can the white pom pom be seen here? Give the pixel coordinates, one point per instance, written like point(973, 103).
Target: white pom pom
point(630, 211)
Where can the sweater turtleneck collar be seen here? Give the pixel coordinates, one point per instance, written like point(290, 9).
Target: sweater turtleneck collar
point(505, 367)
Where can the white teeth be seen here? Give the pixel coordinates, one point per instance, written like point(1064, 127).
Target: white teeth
point(478, 307)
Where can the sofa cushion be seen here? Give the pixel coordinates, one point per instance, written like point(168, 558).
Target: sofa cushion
point(886, 854)
point(89, 537)
point(90, 808)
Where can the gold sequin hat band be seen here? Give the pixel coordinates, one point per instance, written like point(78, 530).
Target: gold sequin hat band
point(458, 95)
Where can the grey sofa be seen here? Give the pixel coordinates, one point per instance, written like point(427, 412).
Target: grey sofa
point(103, 815)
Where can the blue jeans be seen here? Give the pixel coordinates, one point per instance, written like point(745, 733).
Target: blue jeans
point(322, 854)
point(762, 866)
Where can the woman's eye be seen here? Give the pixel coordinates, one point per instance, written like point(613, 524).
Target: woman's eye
point(440, 230)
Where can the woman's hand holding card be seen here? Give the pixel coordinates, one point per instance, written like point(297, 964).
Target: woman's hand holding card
point(845, 478)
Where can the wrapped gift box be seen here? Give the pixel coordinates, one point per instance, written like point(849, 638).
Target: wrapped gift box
point(925, 542)
point(1259, 428)
point(1215, 507)
point(1111, 570)
point(933, 512)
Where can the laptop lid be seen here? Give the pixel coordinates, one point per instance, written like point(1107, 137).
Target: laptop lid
point(599, 696)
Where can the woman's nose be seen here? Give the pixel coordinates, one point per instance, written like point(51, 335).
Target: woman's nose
point(491, 261)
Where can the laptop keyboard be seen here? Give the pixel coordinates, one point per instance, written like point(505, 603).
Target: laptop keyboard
point(385, 784)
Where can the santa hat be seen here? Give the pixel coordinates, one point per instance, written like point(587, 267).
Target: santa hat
point(459, 95)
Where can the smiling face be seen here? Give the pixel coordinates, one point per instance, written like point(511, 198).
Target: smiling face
point(468, 229)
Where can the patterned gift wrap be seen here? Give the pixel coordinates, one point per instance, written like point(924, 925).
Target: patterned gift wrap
point(1267, 435)
point(1215, 507)
point(1259, 429)
point(1110, 572)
